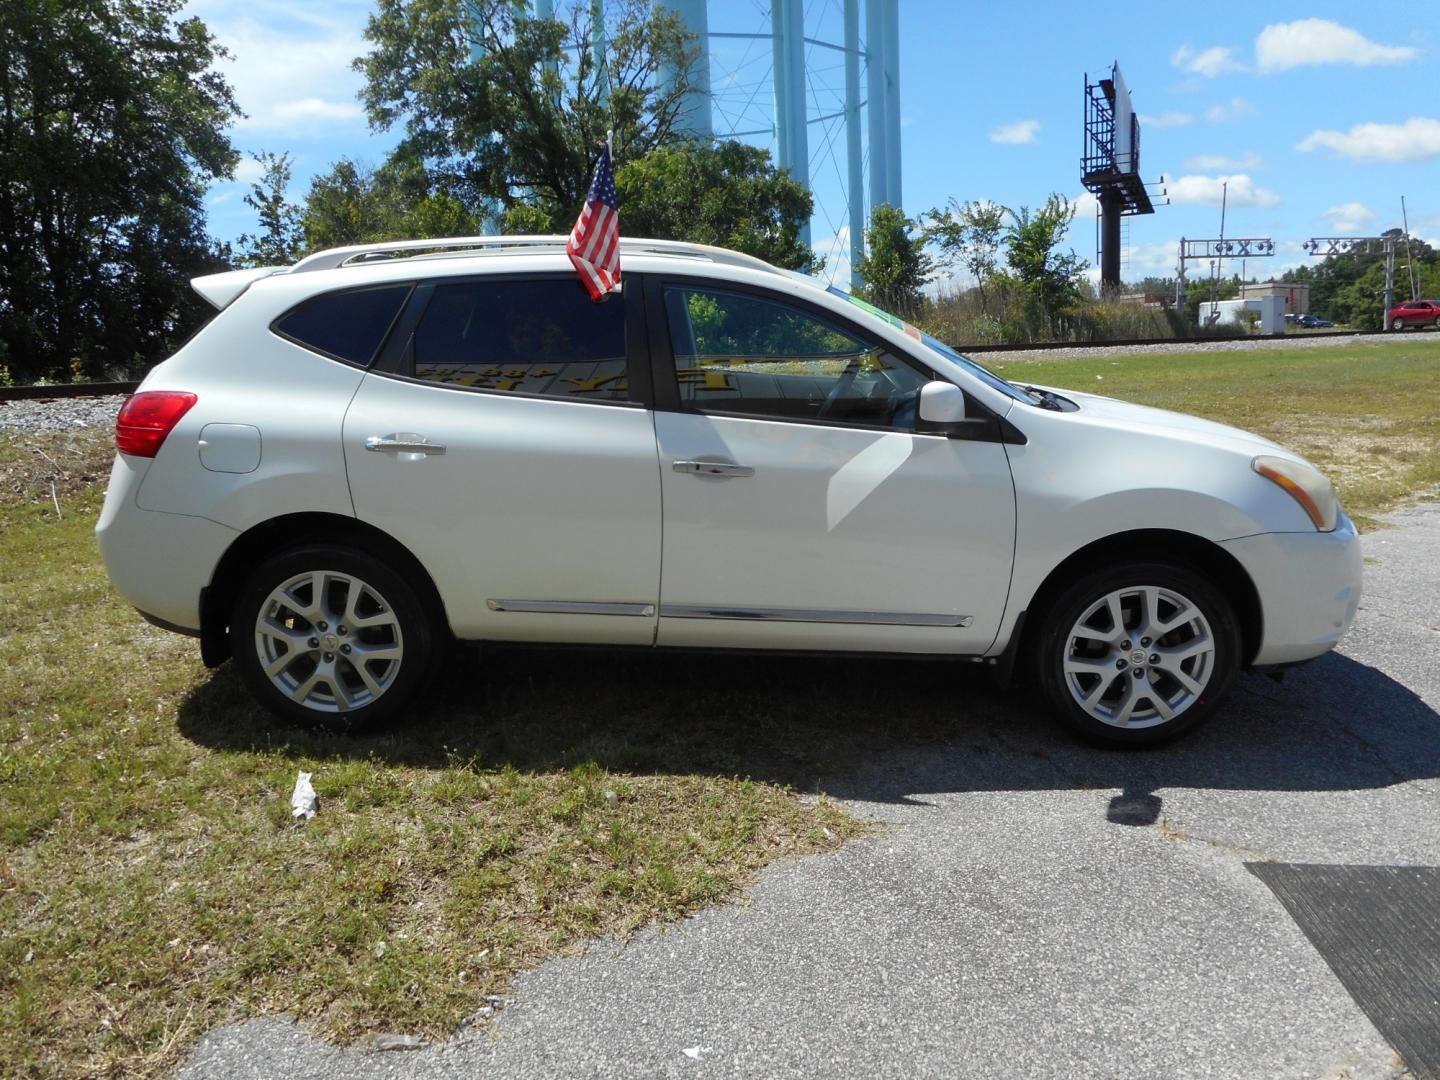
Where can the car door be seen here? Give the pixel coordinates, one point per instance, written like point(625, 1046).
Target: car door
point(802, 508)
point(504, 439)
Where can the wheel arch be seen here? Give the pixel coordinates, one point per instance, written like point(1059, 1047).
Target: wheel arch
point(1158, 545)
point(270, 537)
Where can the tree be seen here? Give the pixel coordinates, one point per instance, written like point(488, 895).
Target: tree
point(727, 194)
point(894, 267)
point(352, 204)
point(1049, 277)
point(500, 109)
point(112, 123)
point(969, 236)
point(278, 242)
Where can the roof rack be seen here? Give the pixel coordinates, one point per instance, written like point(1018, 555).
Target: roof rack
point(362, 254)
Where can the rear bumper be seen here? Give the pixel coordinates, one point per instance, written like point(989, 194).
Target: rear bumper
point(1309, 586)
point(157, 561)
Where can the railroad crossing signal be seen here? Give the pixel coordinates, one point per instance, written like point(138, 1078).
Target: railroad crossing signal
point(1362, 245)
point(1243, 247)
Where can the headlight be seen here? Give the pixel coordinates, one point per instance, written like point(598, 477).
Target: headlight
point(1314, 493)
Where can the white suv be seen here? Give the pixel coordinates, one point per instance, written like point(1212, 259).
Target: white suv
point(381, 449)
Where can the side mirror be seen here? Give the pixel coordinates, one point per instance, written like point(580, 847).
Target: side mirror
point(941, 405)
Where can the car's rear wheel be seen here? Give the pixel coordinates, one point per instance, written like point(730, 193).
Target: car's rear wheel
point(332, 636)
point(1137, 655)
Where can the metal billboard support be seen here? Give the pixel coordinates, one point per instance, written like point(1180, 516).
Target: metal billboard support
point(1110, 165)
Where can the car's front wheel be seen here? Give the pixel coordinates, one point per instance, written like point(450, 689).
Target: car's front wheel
point(332, 636)
point(1137, 655)
point(1397, 324)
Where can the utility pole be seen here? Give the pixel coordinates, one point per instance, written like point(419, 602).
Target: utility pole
point(1409, 258)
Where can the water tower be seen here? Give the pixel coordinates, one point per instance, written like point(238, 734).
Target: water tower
point(796, 83)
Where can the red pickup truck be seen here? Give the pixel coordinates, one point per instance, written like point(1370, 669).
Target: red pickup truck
point(1414, 313)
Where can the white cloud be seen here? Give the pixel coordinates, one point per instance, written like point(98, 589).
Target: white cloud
point(1350, 217)
point(290, 68)
point(1234, 109)
point(1199, 190)
point(1022, 131)
point(1305, 42)
point(1086, 206)
point(1150, 260)
point(317, 109)
point(1165, 119)
point(1224, 162)
point(1210, 62)
point(1417, 139)
point(248, 171)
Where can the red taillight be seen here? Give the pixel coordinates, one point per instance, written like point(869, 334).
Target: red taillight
point(147, 418)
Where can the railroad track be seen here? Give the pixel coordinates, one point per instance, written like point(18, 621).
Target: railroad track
point(105, 389)
point(65, 390)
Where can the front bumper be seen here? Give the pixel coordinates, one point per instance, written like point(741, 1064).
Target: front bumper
point(1309, 586)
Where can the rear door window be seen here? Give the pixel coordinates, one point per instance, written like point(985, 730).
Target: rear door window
point(349, 325)
point(542, 337)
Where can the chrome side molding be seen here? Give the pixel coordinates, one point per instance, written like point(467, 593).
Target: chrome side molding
point(572, 607)
point(813, 615)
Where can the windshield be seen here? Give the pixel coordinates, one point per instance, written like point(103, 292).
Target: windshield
point(984, 374)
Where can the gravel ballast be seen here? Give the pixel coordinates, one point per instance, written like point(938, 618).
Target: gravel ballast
point(59, 414)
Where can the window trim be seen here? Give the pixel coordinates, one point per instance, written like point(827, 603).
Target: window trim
point(380, 348)
point(391, 360)
point(667, 386)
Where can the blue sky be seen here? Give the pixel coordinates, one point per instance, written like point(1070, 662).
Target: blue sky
point(1320, 117)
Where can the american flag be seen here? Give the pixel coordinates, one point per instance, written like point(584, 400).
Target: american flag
point(594, 245)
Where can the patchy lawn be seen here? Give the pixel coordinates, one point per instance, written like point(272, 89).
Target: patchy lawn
point(153, 885)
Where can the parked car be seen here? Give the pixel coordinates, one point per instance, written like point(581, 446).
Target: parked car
point(364, 456)
point(1314, 322)
point(1417, 313)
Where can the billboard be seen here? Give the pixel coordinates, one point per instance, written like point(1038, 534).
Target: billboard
point(1127, 126)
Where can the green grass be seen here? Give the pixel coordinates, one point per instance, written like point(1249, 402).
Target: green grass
point(1367, 414)
point(152, 884)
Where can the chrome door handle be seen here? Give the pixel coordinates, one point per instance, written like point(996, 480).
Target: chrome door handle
point(404, 442)
point(712, 468)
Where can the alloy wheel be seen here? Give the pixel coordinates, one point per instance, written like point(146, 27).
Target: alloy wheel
point(1139, 656)
point(329, 641)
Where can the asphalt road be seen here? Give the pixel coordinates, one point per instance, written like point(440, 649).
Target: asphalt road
point(1027, 907)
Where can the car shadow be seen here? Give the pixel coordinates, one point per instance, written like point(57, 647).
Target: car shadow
point(877, 730)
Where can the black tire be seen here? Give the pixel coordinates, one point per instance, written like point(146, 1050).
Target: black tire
point(396, 621)
point(1153, 681)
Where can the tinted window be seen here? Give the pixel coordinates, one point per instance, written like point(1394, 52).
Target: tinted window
point(527, 337)
point(347, 325)
point(742, 354)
